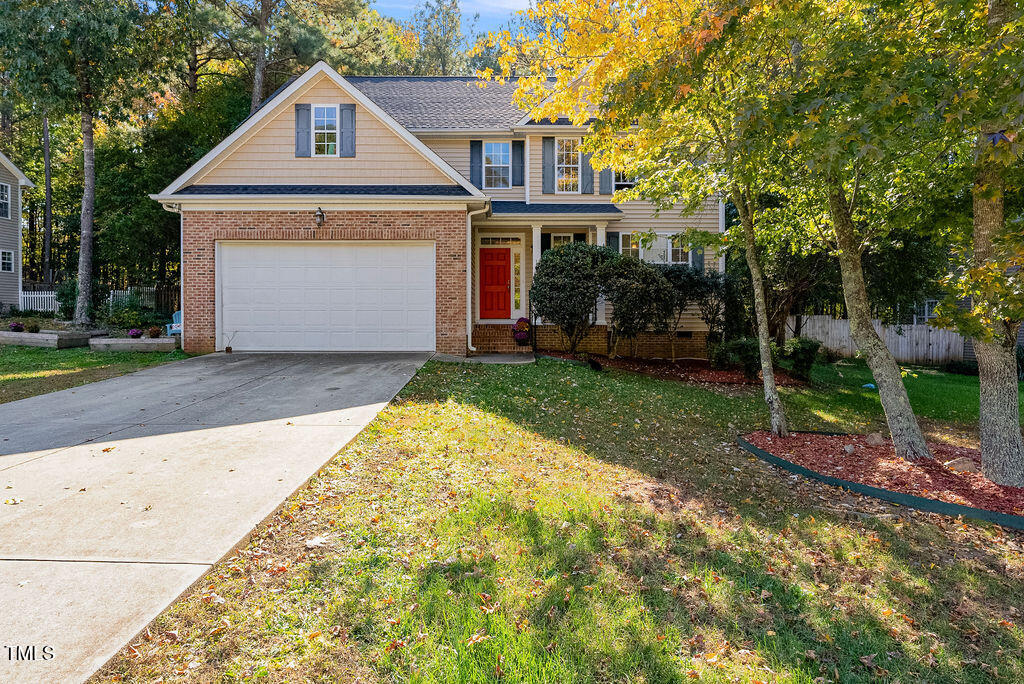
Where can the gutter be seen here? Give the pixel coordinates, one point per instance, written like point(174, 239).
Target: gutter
point(469, 274)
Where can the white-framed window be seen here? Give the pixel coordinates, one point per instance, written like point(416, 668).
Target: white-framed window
point(7, 261)
point(497, 164)
point(325, 130)
point(665, 248)
point(567, 165)
point(492, 241)
point(623, 181)
point(5, 201)
point(559, 239)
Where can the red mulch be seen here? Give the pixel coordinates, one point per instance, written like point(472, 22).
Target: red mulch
point(691, 370)
point(878, 466)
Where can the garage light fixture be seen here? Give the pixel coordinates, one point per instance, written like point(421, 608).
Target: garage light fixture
point(320, 217)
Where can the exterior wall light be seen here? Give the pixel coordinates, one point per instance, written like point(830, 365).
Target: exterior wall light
point(320, 217)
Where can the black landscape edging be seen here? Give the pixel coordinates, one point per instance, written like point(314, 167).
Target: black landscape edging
point(908, 500)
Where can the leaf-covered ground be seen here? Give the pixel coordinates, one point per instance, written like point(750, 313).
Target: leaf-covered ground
point(547, 523)
point(28, 371)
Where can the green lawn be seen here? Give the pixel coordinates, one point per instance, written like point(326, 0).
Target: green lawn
point(28, 371)
point(838, 400)
point(546, 523)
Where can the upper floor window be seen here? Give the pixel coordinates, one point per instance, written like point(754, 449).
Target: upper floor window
point(7, 261)
point(623, 181)
point(5, 201)
point(497, 165)
point(567, 165)
point(325, 131)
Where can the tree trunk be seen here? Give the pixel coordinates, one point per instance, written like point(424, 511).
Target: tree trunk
point(259, 68)
point(32, 229)
point(776, 411)
point(1002, 448)
point(82, 313)
point(907, 437)
point(47, 203)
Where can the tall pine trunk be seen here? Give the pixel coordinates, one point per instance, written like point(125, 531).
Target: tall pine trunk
point(47, 203)
point(1002, 448)
point(907, 437)
point(82, 313)
point(259, 69)
point(776, 411)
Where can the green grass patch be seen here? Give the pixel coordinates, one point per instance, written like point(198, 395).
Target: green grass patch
point(546, 523)
point(28, 371)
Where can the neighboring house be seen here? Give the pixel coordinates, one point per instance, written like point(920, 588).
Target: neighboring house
point(11, 182)
point(394, 214)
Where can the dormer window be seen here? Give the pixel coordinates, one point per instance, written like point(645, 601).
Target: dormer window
point(497, 165)
point(325, 131)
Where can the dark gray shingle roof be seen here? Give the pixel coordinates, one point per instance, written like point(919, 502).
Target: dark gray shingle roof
point(553, 208)
point(419, 190)
point(442, 102)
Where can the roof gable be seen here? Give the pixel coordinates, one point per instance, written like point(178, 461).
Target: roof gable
point(247, 155)
point(9, 165)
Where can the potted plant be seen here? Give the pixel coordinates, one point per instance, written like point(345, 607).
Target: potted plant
point(521, 332)
point(135, 333)
point(17, 326)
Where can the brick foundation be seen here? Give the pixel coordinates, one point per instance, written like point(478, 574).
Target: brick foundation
point(497, 339)
point(202, 229)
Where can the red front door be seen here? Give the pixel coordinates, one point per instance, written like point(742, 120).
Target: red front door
point(495, 271)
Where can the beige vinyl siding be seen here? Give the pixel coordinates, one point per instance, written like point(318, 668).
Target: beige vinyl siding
point(455, 151)
point(266, 155)
point(10, 241)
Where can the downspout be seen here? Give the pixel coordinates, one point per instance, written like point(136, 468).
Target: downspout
point(469, 275)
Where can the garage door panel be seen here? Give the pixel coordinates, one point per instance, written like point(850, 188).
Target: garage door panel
point(326, 296)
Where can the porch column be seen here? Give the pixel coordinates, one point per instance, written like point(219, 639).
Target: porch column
point(536, 245)
point(602, 240)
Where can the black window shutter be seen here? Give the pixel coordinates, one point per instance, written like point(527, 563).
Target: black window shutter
point(579, 237)
point(586, 175)
point(476, 163)
point(518, 155)
point(548, 166)
point(303, 137)
point(347, 130)
point(612, 240)
point(605, 182)
point(545, 242)
point(697, 258)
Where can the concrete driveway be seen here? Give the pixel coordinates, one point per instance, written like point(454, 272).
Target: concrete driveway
point(129, 489)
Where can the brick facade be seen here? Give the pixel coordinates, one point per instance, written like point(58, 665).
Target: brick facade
point(497, 339)
point(202, 229)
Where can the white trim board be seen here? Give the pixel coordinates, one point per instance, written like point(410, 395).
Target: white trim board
point(268, 108)
point(22, 178)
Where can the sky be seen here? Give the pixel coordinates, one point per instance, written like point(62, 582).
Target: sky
point(493, 13)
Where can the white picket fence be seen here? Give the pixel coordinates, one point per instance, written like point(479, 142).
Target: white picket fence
point(39, 301)
point(920, 344)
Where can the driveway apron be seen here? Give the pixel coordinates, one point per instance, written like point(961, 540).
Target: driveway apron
point(129, 489)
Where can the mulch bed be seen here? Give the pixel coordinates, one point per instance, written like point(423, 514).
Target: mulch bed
point(878, 466)
point(690, 370)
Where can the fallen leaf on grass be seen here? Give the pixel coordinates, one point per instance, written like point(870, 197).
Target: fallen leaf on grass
point(477, 638)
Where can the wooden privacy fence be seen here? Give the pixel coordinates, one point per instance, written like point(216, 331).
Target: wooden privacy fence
point(919, 343)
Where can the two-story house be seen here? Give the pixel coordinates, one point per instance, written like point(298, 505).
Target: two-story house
point(394, 214)
point(12, 180)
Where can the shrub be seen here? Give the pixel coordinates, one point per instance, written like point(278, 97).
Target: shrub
point(641, 298)
point(962, 367)
point(16, 326)
point(801, 352)
point(743, 352)
point(566, 286)
point(67, 294)
point(32, 327)
point(1020, 362)
point(686, 283)
point(154, 331)
point(125, 313)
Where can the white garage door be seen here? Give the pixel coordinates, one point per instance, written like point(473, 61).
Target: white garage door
point(325, 296)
